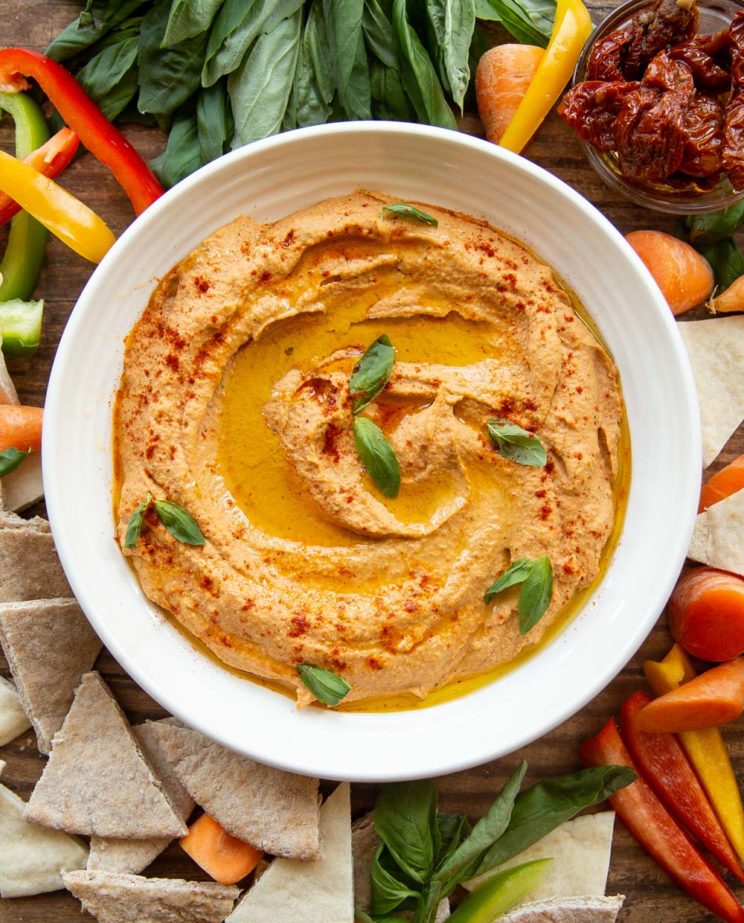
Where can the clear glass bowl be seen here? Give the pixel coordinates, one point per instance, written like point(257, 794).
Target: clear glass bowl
point(688, 199)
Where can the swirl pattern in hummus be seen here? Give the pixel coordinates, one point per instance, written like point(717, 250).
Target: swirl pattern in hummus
point(305, 561)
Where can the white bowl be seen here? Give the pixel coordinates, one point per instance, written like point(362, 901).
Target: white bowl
point(270, 179)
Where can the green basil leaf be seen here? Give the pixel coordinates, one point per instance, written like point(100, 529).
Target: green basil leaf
point(418, 73)
point(110, 78)
point(318, 50)
point(378, 33)
point(535, 595)
point(214, 121)
point(371, 373)
point(189, 18)
point(10, 459)
point(310, 103)
point(426, 911)
point(96, 21)
point(529, 21)
point(377, 456)
point(402, 210)
point(726, 261)
point(405, 820)
point(182, 154)
point(327, 687)
point(517, 444)
point(517, 572)
point(260, 89)
point(343, 20)
point(453, 828)
point(713, 227)
point(179, 523)
point(452, 23)
point(134, 526)
point(388, 892)
point(389, 99)
point(549, 804)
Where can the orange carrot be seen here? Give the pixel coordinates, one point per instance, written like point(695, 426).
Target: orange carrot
point(226, 858)
point(20, 427)
point(683, 275)
point(722, 484)
point(706, 614)
point(731, 299)
point(712, 698)
point(501, 80)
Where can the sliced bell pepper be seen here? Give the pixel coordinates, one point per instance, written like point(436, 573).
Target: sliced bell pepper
point(50, 159)
point(669, 773)
point(56, 208)
point(571, 28)
point(82, 115)
point(501, 892)
point(24, 254)
point(651, 825)
point(706, 749)
point(20, 327)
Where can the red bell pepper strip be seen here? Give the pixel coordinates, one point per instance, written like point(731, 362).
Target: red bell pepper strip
point(85, 118)
point(669, 773)
point(50, 159)
point(653, 827)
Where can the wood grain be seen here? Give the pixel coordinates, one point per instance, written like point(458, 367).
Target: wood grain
point(650, 895)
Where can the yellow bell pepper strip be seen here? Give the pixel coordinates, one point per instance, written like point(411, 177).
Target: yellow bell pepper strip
point(59, 211)
point(706, 750)
point(571, 28)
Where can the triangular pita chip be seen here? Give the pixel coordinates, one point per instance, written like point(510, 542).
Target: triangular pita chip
point(13, 720)
point(29, 566)
point(32, 858)
point(96, 781)
point(134, 855)
point(716, 351)
point(308, 892)
point(718, 536)
point(364, 842)
point(24, 486)
point(13, 521)
point(580, 850)
point(49, 645)
point(113, 898)
point(567, 910)
point(273, 810)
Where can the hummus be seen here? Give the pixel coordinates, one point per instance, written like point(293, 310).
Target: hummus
point(234, 404)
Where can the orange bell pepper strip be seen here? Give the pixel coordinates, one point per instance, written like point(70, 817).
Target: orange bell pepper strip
point(81, 114)
point(705, 749)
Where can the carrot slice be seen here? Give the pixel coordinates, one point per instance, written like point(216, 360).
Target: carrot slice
point(226, 858)
point(683, 275)
point(715, 697)
point(706, 614)
point(722, 484)
point(501, 79)
point(20, 427)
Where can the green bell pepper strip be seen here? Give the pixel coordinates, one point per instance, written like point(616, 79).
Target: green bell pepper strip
point(24, 254)
point(20, 327)
point(500, 893)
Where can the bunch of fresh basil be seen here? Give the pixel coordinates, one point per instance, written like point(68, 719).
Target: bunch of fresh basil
point(217, 74)
point(424, 854)
point(712, 234)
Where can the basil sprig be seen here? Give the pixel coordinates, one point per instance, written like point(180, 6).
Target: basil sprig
point(377, 456)
point(327, 687)
point(10, 459)
point(181, 525)
point(536, 577)
point(517, 444)
point(371, 373)
point(404, 210)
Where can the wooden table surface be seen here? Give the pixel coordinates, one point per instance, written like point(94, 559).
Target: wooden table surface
point(650, 896)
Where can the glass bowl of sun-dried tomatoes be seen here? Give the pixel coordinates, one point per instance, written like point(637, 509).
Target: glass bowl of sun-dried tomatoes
point(658, 103)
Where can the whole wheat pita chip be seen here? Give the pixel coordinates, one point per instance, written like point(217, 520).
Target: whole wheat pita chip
point(364, 842)
point(580, 850)
point(130, 855)
point(567, 910)
point(32, 858)
point(29, 566)
point(49, 644)
point(718, 536)
point(24, 486)
point(113, 898)
point(308, 892)
point(716, 351)
point(97, 781)
point(272, 810)
point(13, 719)
point(9, 520)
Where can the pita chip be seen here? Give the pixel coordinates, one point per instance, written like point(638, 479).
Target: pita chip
point(29, 566)
point(273, 810)
point(24, 486)
point(49, 644)
point(567, 910)
point(718, 536)
point(32, 858)
point(97, 781)
point(133, 855)
point(716, 351)
point(113, 898)
point(580, 850)
point(308, 892)
point(364, 842)
point(13, 720)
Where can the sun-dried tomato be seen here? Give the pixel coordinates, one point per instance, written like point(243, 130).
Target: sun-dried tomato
point(591, 108)
point(649, 133)
point(703, 121)
point(698, 54)
point(733, 124)
point(607, 60)
point(665, 25)
point(667, 74)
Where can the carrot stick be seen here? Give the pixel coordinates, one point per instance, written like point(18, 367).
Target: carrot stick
point(501, 79)
point(223, 856)
point(683, 275)
point(712, 698)
point(706, 614)
point(20, 427)
point(722, 484)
